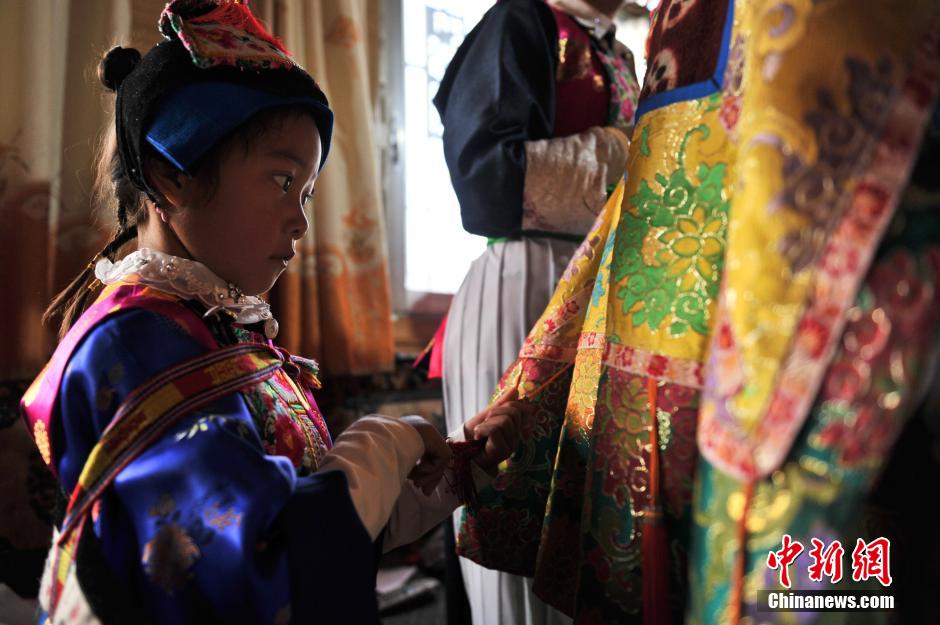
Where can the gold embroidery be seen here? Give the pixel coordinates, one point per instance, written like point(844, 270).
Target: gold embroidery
point(42, 441)
point(574, 59)
point(169, 557)
point(221, 520)
point(584, 63)
point(201, 425)
point(664, 421)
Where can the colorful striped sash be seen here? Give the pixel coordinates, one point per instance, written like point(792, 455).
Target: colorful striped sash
point(38, 405)
point(144, 416)
point(153, 407)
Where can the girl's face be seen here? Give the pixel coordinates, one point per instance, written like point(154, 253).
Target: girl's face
point(247, 231)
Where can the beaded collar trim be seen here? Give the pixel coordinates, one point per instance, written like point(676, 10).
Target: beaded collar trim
point(190, 280)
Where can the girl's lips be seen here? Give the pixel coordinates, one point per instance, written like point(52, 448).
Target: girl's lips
point(284, 259)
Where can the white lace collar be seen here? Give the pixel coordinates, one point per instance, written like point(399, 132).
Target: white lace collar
point(188, 279)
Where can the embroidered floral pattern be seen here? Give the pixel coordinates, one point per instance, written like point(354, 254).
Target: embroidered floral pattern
point(41, 436)
point(201, 425)
point(867, 384)
point(671, 246)
point(747, 427)
point(281, 417)
point(815, 189)
point(168, 557)
point(212, 40)
point(662, 74)
point(220, 519)
point(682, 50)
point(624, 91)
point(204, 423)
point(676, 11)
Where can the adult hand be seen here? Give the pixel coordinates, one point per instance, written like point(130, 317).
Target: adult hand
point(501, 426)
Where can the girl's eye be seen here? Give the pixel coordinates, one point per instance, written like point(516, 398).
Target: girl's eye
point(284, 181)
point(305, 199)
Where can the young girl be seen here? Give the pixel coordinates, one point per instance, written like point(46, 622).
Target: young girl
point(200, 482)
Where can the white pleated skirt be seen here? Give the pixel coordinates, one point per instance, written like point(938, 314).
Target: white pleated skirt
point(505, 292)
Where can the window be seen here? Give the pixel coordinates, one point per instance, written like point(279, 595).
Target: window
point(429, 252)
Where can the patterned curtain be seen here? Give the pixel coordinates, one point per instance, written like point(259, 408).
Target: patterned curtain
point(334, 302)
point(335, 305)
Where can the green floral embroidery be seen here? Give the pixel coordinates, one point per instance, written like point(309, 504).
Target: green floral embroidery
point(645, 141)
point(712, 102)
point(670, 248)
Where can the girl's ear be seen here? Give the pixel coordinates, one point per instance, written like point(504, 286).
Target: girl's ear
point(172, 184)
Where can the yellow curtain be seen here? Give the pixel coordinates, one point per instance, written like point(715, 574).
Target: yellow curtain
point(51, 114)
point(334, 302)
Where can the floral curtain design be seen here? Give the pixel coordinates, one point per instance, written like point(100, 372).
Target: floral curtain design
point(335, 304)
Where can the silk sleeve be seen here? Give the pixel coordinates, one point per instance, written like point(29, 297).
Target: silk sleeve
point(204, 526)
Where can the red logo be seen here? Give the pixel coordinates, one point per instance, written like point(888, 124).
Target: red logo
point(869, 560)
point(872, 560)
point(826, 561)
point(784, 558)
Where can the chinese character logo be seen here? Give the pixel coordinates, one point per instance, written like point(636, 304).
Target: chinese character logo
point(826, 562)
point(872, 560)
point(869, 560)
point(784, 558)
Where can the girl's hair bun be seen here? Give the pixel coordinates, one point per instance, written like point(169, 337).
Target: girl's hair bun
point(116, 65)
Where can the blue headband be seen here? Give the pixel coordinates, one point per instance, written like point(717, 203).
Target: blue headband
point(200, 115)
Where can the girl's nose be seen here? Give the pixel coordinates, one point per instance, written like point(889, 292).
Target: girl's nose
point(299, 224)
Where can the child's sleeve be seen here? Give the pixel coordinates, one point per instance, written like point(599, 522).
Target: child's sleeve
point(375, 454)
point(204, 526)
point(415, 513)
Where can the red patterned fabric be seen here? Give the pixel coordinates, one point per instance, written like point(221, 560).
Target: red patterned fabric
point(684, 44)
point(581, 90)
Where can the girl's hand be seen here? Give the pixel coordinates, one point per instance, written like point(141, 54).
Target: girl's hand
point(501, 426)
point(437, 455)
